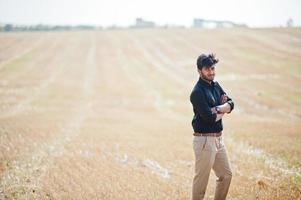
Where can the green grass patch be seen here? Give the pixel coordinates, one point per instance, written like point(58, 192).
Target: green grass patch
point(15, 64)
point(298, 178)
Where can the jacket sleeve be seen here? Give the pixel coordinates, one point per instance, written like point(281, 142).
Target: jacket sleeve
point(201, 106)
point(229, 100)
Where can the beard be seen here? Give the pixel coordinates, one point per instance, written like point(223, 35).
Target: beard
point(208, 78)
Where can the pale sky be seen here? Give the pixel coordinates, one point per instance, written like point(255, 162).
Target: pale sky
point(255, 13)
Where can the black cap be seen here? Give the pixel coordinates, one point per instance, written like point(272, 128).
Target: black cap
point(206, 60)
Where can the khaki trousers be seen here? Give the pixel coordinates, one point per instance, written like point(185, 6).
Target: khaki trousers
point(210, 152)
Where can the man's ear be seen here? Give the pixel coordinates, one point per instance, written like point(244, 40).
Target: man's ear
point(199, 71)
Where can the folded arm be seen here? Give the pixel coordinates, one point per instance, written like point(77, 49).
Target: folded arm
point(202, 108)
point(226, 107)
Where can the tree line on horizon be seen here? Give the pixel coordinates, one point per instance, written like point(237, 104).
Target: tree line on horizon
point(41, 27)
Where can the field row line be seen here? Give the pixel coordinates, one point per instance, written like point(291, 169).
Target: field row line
point(30, 171)
point(24, 52)
point(36, 92)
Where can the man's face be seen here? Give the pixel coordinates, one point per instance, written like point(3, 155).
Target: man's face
point(207, 73)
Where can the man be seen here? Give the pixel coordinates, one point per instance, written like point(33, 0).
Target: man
point(210, 103)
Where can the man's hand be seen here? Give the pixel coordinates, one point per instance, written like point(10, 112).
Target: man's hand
point(223, 98)
point(223, 108)
point(213, 110)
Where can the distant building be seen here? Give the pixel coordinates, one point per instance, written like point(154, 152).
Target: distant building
point(141, 23)
point(203, 23)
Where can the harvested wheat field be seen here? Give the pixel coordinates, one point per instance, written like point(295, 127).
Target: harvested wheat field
point(106, 114)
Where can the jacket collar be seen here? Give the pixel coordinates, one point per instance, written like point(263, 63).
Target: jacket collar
point(205, 83)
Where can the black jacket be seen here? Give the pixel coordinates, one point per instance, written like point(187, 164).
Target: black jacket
point(203, 97)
